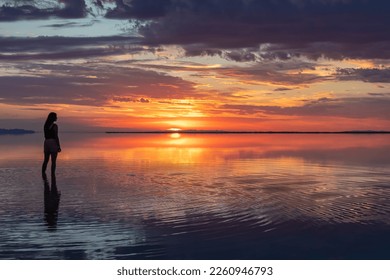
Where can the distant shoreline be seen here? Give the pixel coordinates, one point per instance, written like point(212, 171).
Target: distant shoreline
point(247, 132)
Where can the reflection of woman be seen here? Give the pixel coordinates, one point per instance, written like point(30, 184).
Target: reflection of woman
point(52, 143)
point(51, 201)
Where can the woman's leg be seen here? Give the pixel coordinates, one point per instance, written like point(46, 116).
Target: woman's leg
point(45, 162)
point(53, 163)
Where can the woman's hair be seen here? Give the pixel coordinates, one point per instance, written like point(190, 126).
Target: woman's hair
point(51, 118)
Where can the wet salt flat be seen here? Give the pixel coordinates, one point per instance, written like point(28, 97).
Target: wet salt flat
point(198, 196)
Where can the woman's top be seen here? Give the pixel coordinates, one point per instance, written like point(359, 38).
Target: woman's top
point(51, 132)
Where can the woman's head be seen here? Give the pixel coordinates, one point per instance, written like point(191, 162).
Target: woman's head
point(51, 118)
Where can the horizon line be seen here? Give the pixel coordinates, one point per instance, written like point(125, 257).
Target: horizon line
point(249, 132)
point(194, 131)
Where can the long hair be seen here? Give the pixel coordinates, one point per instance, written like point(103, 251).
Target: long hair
point(51, 118)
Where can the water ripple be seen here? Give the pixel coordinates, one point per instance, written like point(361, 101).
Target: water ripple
point(139, 208)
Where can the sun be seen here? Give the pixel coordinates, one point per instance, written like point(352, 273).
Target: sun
point(174, 129)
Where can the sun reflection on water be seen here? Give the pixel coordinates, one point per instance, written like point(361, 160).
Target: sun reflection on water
point(175, 135)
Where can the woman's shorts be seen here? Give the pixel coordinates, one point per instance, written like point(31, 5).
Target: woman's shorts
point(50, 146)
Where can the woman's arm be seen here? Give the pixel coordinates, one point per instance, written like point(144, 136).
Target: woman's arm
point(55, 128)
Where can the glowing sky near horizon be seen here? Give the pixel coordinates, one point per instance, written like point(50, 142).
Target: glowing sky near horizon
point(227, 65)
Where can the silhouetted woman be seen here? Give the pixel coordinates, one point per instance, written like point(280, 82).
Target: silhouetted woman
point(52, 143)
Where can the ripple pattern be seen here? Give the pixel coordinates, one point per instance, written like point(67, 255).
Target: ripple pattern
point(224, 207)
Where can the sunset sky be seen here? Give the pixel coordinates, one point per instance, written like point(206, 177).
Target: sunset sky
point(300, 65)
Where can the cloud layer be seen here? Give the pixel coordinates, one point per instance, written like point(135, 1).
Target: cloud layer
point(241, 59)
point(280, 28)
point(314, 28)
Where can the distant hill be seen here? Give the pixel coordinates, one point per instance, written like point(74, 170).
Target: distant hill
point(15, 131)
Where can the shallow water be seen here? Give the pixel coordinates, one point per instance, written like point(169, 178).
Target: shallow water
point(197, 196)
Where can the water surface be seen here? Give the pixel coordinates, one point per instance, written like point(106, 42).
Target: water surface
point(208, 196)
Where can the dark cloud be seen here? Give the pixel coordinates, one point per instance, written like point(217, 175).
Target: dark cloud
point(299, 25)
point(201, 50)
point(287, 51)
point(33, 9)
point(69, 24)
point(371, 75)
point(369, 107)
point(128, 99)
point(143, 100)
point(73, 9)
point(12, 48)
point(71, 54)
point(43, 43)
point(140, 9)
point(330, 50)
point(282, 89)
point(241, 56)
point(9, 13)
point(240, 30)
point(123, 99)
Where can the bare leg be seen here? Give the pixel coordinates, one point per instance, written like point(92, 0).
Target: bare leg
point(45, 162)
point(53, 163)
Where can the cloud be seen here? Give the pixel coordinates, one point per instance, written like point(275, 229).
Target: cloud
point(69, 24)
point(73, 9)
point(243, 109)
point(370, 75)
point(357, 108)
point(287, 73)
point(258, 75)
point(34, 9)
point(306, 26)
point(241, 56)
point(90, 84)
point(140, 9)
point(286, 51)
point(328, 49)
point(202, 50)
point(239, 30)
point(46, 43)
point(33, 48)
point(143, 100)
point(378, 94)
point(282, 89)
point(127, 100)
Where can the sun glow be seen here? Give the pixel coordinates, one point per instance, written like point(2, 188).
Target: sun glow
point(174, 129)
point(175, 135)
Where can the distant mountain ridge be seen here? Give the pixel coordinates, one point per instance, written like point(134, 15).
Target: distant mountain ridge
point(15, 131)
